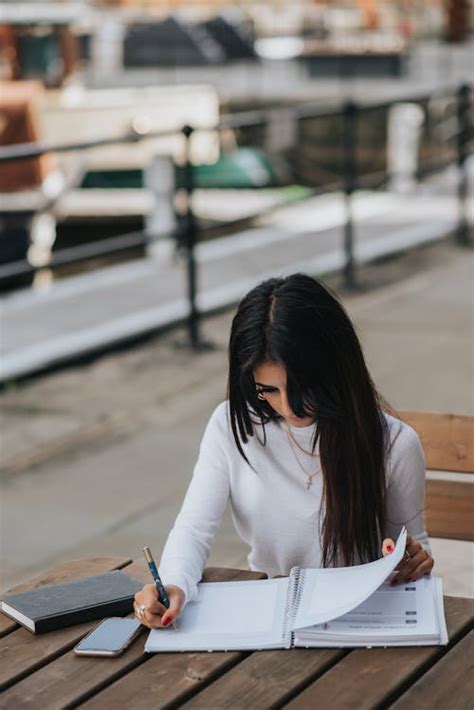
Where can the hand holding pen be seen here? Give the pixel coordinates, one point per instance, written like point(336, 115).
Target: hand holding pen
point(156, 606)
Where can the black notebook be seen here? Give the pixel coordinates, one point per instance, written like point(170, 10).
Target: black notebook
point(59, 605)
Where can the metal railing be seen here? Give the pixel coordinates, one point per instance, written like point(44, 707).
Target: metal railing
point(349, 179)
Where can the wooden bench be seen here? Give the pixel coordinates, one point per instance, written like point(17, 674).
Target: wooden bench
point(448, 442)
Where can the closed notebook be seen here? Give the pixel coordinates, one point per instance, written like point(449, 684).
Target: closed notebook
point(58, 605)
point(347, 606)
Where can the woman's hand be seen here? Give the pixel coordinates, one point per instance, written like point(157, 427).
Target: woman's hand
point(415, 563)
point(152, 613)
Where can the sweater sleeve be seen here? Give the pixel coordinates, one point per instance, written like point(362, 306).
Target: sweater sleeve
point(187, 547)
point(406, 485)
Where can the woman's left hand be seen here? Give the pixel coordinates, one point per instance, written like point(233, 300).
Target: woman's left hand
point(415, 563)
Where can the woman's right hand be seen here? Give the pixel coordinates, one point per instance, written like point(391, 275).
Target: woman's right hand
point(152, 613)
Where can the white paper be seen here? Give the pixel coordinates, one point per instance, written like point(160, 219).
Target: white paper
point(330, 593)
point(405, 614)
point(226, 616)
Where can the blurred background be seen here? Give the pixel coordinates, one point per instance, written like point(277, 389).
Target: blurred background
point(158, 158)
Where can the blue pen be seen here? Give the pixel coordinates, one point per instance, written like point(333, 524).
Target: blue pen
point(163, 597)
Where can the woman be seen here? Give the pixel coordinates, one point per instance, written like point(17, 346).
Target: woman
point(316, 473)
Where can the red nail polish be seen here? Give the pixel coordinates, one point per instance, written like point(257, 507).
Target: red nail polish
point(166, 622)
point(389, 548)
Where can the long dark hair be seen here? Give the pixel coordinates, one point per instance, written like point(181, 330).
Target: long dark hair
point(300, 324)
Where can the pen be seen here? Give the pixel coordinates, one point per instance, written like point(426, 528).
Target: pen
point(163, 597)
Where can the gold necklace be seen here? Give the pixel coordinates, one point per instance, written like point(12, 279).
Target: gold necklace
point(309, 476)
point(295, 442)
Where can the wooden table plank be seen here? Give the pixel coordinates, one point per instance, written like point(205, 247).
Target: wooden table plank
point(449, 684)
point(65, 572)
point(70, 679)
point(21, 652)
point(366, 678)
point(266, 678)
point(168, 678)
point(164, 679)
point(361, 678)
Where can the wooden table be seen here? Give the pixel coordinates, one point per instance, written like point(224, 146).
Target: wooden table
point(43, 672)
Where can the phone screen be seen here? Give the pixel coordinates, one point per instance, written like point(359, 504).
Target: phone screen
point(109, 635)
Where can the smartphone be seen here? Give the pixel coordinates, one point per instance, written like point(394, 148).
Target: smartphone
point(109, 638)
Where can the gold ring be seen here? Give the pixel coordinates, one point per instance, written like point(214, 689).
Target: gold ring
point(407, 555)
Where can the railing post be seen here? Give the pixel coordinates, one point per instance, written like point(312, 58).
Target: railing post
point(463, 113)
point(349, 158)
point(189, 238)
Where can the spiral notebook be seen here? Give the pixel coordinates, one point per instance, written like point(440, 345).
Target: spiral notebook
point(346, 606)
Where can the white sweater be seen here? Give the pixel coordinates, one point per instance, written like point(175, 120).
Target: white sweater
point(272, 510)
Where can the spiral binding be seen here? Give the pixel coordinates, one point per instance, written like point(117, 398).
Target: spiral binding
point(295, 589)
